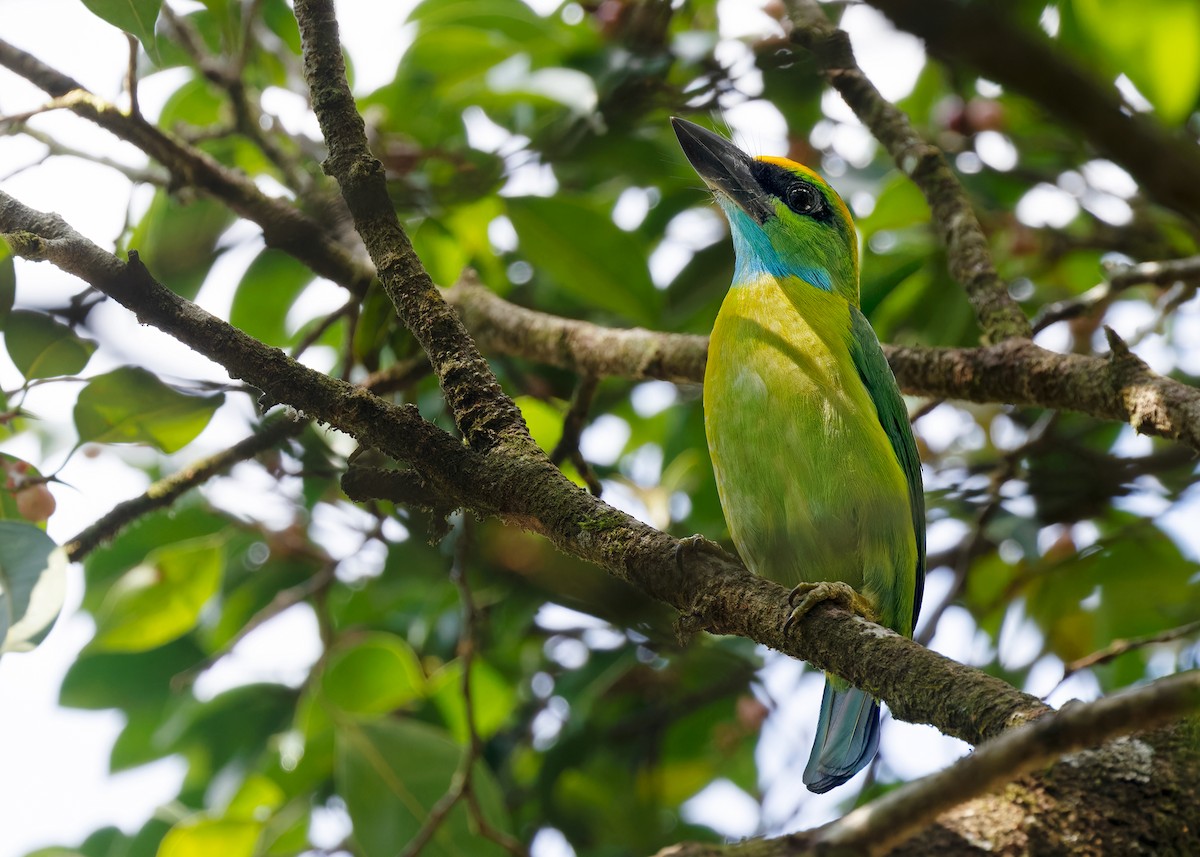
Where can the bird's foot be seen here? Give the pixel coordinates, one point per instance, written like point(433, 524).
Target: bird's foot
point(812, 594)
point(697, 544)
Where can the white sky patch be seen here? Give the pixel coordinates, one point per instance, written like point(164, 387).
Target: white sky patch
point(987, 88)
point(740, 20)
point(631, 208)
point(724, 807)
point(555, 617)
point(550, 842)
point(944, 534)
point(758, 127)
point(330, 825)
point(996, 150)
point(1108, 177)
point(1050, 21)
point(1047, 205)
point(1133, 97)
point(1020, 640)
point(942, 426)
point(1110, 209)
point(376, 41)
point(914, 750)
point(502, 235)
point(56, 757)
point(835, 108)
point(890, 58)
point(621, 497)
point(319, 298)
point(283, 650)
point(604, 440)
point(653, 397)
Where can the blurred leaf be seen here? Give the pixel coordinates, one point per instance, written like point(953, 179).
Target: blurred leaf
point(136, 17)
point(8, 283)
point(493, 698)
point(1167, 74)
point(376, 675)
point(33, 580)
point(131, 405)
point(586, 255)
point(160, 600)
point(900, 203)
point(41, 347)
point(545, 421)
point(99, 680)
point(392, 772)
point(177, 242)
point(205, 837)
point(268, 288)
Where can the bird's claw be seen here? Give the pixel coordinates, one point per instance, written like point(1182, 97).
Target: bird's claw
point(694, 544)
point(812, 594)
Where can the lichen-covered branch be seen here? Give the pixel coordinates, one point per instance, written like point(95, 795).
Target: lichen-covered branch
point(501, 327)
point(284, 226)
point(167, 490)
point(713, 592)
point(878, 827)
point(969, 257)
point(484, 414)
point(1018, 372)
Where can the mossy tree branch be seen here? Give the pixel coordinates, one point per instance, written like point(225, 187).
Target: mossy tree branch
point(1119, 386)
point(967, 250)
point(713, 591)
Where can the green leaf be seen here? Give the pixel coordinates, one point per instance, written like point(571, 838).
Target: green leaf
point(269, 286)
point(160, 600)
point(545, 421)
point(377, 675)
point(900, 203)
point(586, 255)
point(42, 347)
point(203, 837)
point(8, 283)
point(1168, 74)
point(131, 405)
point(33, 577)
point(177, 241)
point(133, 16)
point(493, 698)
point(392, 772)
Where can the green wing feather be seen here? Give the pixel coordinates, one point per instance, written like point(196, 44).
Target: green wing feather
point(877, 377)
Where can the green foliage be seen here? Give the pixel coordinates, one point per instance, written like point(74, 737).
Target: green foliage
point(41, 347)
point(32, 585)
point(509, 139)
point(131, 405)
point(391, 775)
point(135, 17)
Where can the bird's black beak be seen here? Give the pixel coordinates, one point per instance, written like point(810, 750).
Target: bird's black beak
point(724, 167)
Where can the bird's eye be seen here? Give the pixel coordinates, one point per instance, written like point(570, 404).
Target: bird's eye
point(803, 198)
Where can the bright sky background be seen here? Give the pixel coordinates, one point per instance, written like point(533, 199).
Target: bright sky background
point(55, 787)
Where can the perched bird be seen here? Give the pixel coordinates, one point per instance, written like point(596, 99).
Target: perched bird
point(815, 462)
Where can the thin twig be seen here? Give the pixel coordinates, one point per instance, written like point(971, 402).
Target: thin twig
point(131, 78)
point(165, 491)
point(461, 788)
point(1119, 647)
point(283, 599)
point(573, 425)
point(969, 256)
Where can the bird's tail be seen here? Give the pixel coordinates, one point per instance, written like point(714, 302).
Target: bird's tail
point(847, 737)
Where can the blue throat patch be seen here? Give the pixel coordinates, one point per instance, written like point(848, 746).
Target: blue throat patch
point(757, 258)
